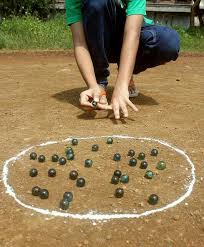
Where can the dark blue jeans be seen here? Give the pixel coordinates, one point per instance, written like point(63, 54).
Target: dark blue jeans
point(104, 22)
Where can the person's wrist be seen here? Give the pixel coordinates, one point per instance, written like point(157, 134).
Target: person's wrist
point(121, 85)
point(93, 86)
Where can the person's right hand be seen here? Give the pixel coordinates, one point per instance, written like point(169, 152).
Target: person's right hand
point(96, 93)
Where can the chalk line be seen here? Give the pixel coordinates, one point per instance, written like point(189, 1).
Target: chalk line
point(97, 216)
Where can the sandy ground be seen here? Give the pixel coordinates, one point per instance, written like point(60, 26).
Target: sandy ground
point(39, 102)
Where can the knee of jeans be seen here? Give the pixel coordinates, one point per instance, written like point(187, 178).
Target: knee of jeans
point(93, 6)
point(171, 44)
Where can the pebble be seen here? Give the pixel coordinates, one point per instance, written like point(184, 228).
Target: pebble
point(86, 242)
point(158, 221)
point(176, 217)
point(108, 237)
point(141, 204)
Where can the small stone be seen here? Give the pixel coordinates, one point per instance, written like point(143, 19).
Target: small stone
point(55, 158)
point(124, 179)
point(132, 162)
point(131, 153)
point(88, 163)
point(161, 165)
point(86, 242)
point(119, 192)
point(68, 196)
point(108, 237)
point(117, 157)
point(64, 204)
point(62, 161)
point(154, 152)
point(33, 156)
point(159, 221)
point(33, 172)
point(80, 182)
point(153, 199)
point(117, 173)
point(141, 156)
point(109, 140)
point(52, 173)
point(144, 165)
point(149, 174)
point(73, 175)
point(141, 204)
point(95, 148)
point(44, 194)
point(75, 142)
point(115, 180)
point(41, 158)
point(36, 191)
point(197, 213)
point(176, 217)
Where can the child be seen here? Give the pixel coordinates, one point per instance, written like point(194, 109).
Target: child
point(116, 31)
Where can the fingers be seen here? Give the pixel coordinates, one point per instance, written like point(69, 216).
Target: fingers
point(103, 100)
point(96, 98)
point(132, 105)
point(84, 100)
point(124, 111)
point(119, 109)
point(116, 110)
point(104, 106)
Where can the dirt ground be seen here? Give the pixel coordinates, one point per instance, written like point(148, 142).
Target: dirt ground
point(39, 102)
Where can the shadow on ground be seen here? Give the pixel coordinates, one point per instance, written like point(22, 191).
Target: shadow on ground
point(72, 97)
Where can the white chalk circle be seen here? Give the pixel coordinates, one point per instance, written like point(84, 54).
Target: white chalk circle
point(93, 215)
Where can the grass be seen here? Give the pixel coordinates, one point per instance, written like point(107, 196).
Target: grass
point(192, 40)
point(29, 32)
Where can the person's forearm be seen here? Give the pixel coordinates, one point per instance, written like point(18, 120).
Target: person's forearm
point(82, 56)
point(85, 65)
point(129, 49)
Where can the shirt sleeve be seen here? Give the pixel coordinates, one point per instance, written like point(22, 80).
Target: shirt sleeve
point(73, 11)
point(136, 7)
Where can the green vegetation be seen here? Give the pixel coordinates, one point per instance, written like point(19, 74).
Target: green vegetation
point(39, 8)
point(192, 40)
point(29, 32)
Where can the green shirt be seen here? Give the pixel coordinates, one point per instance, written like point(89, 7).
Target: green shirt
point(133, 7)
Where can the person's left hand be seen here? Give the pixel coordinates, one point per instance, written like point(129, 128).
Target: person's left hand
point(120, 101)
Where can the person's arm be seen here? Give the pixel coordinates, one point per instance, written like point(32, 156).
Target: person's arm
point(85, 65)
point(82, 55)
point(120, 98)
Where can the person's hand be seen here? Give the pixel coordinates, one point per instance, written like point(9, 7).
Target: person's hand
point(120, 101)
point(97, 94)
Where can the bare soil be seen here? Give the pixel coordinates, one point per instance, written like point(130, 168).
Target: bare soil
point(39, 102)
